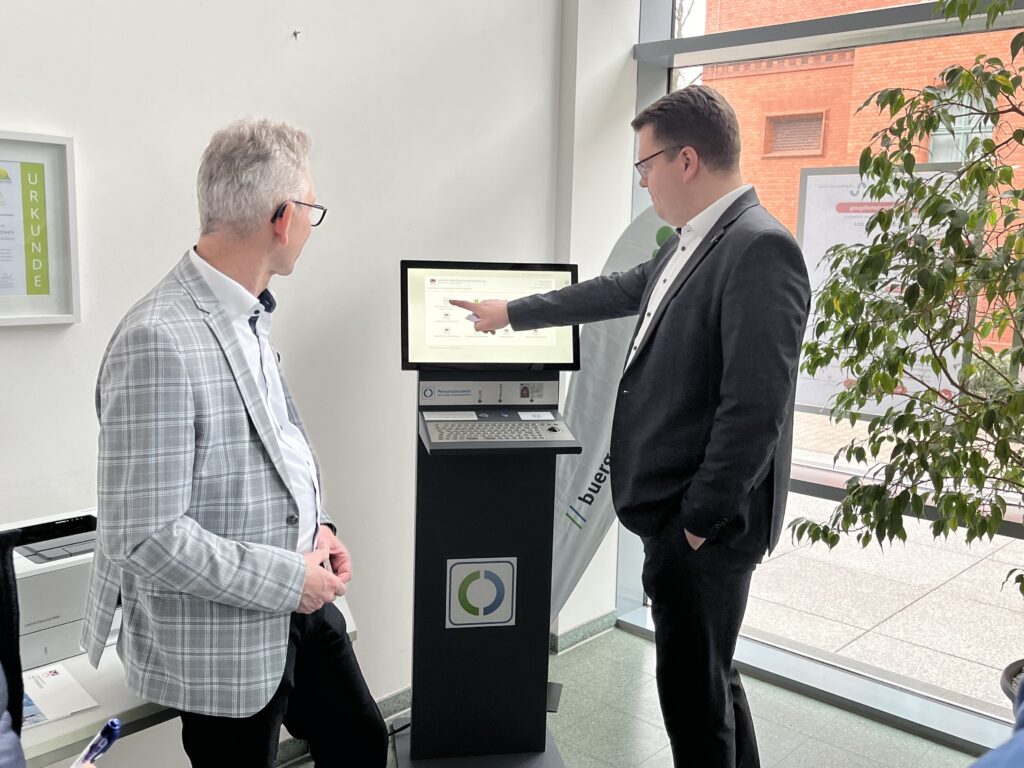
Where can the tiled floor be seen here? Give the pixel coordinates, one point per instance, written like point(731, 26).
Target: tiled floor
point(609, 718)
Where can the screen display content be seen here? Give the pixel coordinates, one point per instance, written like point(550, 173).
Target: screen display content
point(437, 334)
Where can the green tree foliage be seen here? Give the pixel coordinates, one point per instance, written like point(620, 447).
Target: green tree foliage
point(900, 313)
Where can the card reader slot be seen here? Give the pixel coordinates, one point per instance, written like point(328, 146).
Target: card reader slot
point(47, 533)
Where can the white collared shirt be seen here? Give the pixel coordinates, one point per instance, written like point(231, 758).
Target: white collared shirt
point(690, 238)
point(241, 305)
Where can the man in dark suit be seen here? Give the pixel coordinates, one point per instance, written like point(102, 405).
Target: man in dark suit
point(702, 433)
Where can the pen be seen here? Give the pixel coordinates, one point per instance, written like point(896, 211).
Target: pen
point(104, 739)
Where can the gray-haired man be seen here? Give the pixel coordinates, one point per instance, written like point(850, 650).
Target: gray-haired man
point(212, 536)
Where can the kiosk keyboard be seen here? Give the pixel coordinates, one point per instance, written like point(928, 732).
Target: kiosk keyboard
point(464, 431)
point(494, 429)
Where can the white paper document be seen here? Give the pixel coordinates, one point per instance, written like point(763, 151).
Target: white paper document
point(52, 693)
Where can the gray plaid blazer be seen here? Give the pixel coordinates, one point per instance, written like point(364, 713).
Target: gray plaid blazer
point(197, 527)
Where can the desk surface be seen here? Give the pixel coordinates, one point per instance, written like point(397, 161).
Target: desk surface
point(66, 738)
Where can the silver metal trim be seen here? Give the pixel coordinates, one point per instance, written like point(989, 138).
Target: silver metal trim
point(887, 25)
point(655, 20)
point(652, 79)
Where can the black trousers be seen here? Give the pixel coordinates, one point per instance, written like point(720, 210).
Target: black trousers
point(322, 699)
point(698, 598)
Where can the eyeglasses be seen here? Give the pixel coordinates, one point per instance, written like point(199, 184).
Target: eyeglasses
point(641, 166)
point(316, 212)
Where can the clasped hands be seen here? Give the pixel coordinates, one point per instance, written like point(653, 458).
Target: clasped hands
point(328, 570)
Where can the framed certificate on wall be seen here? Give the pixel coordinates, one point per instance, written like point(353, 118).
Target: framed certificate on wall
point(38, 235)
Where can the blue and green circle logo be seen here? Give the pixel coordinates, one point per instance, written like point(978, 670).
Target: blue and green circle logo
point(481, 592)
point(499, 593)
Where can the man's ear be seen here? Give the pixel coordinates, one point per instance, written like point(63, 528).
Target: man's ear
point(282, 223)
point(689, 158)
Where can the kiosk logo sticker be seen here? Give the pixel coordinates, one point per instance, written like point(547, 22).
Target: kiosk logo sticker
point(481, 593)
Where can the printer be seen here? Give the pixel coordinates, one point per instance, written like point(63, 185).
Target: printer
point(52, 565)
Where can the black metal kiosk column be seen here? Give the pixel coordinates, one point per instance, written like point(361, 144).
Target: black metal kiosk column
point(484, 520)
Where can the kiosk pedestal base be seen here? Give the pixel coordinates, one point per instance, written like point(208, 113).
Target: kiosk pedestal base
point(482, 589)
point(549, 758)
point(480, 668)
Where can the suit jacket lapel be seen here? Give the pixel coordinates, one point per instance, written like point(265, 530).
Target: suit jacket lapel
point(217, 319)
point(733, 212)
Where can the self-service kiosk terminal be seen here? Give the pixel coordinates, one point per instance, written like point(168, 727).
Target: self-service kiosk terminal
point(488, 433)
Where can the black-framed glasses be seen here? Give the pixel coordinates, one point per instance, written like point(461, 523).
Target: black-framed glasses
point(316, 213)
point(641, 165)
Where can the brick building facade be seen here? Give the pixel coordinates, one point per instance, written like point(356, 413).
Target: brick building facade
point(800, 111)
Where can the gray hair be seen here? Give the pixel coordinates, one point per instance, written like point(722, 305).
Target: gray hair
point(249, 168)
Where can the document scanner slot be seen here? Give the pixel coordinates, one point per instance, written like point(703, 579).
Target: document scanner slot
point(48, 542)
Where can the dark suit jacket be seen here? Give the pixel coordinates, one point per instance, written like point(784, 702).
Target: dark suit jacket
point(703, 428)
point(10, 639)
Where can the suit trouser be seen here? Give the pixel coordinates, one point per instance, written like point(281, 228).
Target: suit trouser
point(697, 602)
point(322, 698)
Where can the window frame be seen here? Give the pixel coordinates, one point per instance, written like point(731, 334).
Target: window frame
point(769, 133)
point(839, 681)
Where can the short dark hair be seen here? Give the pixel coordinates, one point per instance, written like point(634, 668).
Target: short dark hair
point(696, 116)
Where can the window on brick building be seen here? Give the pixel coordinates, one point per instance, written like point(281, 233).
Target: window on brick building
point(794, 134)
point(947, 147)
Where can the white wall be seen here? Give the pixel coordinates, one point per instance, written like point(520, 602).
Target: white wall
point(595, 152)
point(436, 130)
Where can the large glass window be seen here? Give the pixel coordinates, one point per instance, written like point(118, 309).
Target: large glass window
point(932, 615)
point(902, 610)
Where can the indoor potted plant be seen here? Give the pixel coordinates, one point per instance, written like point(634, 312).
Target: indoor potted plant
point(927, 318)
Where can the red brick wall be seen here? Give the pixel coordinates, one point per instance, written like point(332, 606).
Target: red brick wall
point(793, 90)
point(727, 15)
point(836, 82)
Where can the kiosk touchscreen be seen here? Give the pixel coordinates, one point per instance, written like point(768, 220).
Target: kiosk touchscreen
point(489, 434)
point(436, 334)
point(483, 391)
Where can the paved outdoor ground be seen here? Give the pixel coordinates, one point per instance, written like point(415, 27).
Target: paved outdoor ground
point(932, 610)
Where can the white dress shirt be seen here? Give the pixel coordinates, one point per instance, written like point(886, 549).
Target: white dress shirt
point(240, 306)
point(690, 238)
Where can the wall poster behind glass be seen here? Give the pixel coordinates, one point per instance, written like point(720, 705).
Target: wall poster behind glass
point(38, 249)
